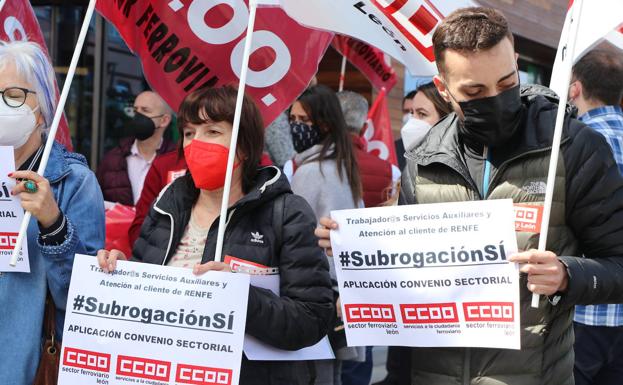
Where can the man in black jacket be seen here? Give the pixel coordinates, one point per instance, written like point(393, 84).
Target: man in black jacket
point(497, 145)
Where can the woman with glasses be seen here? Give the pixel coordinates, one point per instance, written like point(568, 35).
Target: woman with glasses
point(66, 205)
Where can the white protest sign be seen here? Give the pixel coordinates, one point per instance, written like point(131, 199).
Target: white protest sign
point(148, 324)
point(429, 275)
point(256, 350)
point(11, 214)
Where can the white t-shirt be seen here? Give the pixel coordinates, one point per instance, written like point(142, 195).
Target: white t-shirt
point(137, 170)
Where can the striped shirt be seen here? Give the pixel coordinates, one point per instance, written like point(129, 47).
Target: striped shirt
point(608, 121)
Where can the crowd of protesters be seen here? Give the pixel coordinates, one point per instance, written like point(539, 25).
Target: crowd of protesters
point(472, 125)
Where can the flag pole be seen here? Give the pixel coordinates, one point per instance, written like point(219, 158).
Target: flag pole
point(566, 69)
point(218, 257)
point(342, 73)
point(55, 123)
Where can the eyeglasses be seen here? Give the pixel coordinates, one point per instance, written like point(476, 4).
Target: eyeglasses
point(15, 97)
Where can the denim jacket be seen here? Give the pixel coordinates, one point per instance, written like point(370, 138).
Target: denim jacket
point(22, 295)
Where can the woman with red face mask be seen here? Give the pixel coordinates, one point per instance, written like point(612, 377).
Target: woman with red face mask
point(267, 226)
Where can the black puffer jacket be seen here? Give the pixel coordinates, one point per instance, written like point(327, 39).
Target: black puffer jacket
point(585, 230)
point(297, 319)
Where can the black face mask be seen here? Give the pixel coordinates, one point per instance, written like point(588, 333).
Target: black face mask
point(304, 136)
point(491, 121)
point(142, 126)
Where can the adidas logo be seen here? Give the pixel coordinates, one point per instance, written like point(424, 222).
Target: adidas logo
point(535, 188)
point(257, 238)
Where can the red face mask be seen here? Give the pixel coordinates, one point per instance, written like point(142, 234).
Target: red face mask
point(207, 163)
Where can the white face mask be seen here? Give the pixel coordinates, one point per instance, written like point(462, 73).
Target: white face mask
point(414, 132)
point(16, 124)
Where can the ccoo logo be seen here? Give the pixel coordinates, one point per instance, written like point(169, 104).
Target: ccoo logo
point(86, 359)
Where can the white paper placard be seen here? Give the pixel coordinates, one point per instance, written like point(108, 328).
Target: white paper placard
point(257, 350)
point(429, 275)
point(149, 324)
point(11, 215)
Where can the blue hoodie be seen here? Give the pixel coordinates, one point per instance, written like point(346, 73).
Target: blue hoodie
point(22, 295)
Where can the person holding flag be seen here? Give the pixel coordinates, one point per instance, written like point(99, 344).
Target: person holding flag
point(66, 204)
point(497, 145)
point(269, 231)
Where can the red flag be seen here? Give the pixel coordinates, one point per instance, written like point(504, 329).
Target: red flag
point(401, 28)
point(185, 45)
point(18, 22)
point(378, 131)
point(369, 60)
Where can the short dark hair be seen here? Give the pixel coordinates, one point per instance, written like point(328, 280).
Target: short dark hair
point(410, 95)
point(470, 30)
point(601, 73)
point(219, 105)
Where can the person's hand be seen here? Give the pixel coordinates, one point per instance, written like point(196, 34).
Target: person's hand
point(200, 269)
point(40, 202)
point(107, 260)
point(546, 274)
point(323, 233)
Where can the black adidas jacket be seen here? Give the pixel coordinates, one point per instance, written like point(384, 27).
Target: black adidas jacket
point(298, 318)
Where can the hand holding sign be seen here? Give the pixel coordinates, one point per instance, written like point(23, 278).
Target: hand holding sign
point(546, 274)
point(324, 234)
point(107, 260)
point(200, 269)
point(433, 275)
point(39, 202)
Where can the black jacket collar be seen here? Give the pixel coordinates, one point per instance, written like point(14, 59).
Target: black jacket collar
point(442, 144)
point(180, 196)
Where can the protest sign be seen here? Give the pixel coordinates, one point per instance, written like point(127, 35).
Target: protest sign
point(429, 275)
point(11, 215)
point(256, 350)
point(152, 324)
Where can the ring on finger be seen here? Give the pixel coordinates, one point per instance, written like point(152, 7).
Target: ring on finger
point(30, 186)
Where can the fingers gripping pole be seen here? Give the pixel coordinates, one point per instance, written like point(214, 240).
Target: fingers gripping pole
point(55, 123)
point(222, 223)
point(567, 58)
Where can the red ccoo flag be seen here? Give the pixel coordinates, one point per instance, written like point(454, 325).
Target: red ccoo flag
point(186, 45)
point(18, 22)
point(378, 132)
